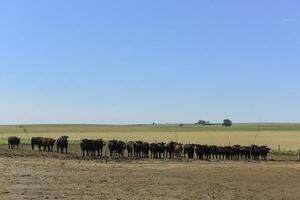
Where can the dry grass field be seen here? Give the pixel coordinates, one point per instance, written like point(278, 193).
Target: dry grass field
point(287, 136)
point(287, 140)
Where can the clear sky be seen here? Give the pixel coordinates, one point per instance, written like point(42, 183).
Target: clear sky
point(143, 61)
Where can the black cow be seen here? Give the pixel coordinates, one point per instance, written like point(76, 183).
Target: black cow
point(145, 149)
point(112, 146)
point(207, 152)
point(97, 147)
point(138, 150)
point(236, 152)
point(200, 151)
point(264, 151)
point(245, 152)
point(154, 150)
point(36, 141)
point(228, 152)
point(13, 141)
point(255, 152)
point(62, 144)
point(214, 152)
point(130, 148)
point(161, 150)
point(90, 147)
point(189, 149)
point(170, 149)
point(85, 146)
point(121, 146)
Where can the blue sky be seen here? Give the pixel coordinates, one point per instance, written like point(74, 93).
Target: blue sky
point(144, 61)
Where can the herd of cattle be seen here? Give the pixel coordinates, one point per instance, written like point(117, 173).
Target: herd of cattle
point(140, 149)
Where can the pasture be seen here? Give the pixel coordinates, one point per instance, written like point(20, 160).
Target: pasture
point(27, 174)
point(283, 136)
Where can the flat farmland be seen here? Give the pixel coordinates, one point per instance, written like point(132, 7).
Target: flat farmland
point(28, 174)
point(285, 136)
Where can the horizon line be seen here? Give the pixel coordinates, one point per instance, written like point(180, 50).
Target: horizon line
point(137, 124)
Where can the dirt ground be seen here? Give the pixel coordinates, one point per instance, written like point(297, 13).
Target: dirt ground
point(27, 174)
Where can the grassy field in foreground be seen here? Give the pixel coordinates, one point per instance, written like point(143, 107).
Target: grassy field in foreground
point(283, 136)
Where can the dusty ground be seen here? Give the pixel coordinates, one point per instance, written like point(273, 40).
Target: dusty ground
point(25, 174)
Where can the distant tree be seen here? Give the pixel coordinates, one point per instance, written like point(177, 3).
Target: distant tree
point(227, 122)
point(154, 124)
point(203, 122)
point(200, 122)
point(181, 125)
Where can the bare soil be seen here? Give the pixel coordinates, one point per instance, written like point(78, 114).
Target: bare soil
point(27, 174)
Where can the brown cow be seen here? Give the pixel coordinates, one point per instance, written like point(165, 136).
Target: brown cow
point(178, 150)
point(48, 143)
